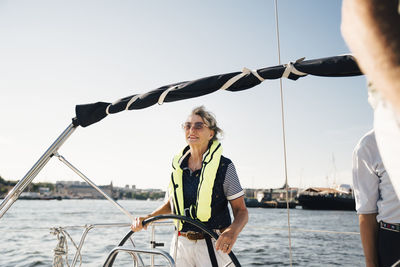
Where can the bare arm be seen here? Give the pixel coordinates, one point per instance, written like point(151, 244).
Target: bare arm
point(372, 32)
point(231, 233)
point(369, 238)
point(163, 209)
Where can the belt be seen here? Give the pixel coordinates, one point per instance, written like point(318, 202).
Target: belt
point(395, 227)
point(191, 235)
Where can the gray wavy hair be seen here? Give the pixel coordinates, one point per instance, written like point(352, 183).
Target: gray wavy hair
point(209, 119)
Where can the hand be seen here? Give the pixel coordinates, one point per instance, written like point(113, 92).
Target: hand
point(226, 240)
point(137, 224)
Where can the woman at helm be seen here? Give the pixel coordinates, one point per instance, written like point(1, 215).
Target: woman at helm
point(202, 184)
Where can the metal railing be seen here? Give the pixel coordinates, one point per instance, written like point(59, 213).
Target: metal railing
point(89, 227)
point(135, 251)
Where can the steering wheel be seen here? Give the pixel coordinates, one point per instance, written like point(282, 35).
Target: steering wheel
point(176, 217)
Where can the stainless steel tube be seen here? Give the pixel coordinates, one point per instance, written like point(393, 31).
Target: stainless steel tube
point(78, 250)
point(127, 213)
point(13, 195)
point(116, 250)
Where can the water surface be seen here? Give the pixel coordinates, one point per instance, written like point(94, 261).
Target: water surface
point(26, 239)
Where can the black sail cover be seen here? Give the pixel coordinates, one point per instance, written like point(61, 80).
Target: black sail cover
point(338, 66)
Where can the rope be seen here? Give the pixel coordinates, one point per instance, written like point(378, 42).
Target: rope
point(61, 249)
point(283, 136)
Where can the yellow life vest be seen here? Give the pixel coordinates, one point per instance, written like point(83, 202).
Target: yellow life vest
point(202, 209)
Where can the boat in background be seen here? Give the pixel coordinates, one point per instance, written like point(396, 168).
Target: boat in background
point(321, 198)
point(273, 198)
point(38, 196)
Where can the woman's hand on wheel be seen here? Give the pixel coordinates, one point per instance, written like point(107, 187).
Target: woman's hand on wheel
point(226, 241)
point(137, 224)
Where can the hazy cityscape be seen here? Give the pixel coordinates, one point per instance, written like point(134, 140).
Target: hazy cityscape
point(82, 190)
point(79, 190)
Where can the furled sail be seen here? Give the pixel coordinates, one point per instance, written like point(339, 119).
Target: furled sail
point(338, 66)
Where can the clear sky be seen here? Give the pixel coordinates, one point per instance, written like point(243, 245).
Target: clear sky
point(56, 54)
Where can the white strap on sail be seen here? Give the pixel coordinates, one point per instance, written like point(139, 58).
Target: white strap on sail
point(255, 73)
point(133, 99)
point(291, 69)
point(107, 111)
point(165, 93)
point(108, 107)
point(234, 79)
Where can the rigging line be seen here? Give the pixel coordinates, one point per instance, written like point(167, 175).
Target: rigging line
point(283, 134)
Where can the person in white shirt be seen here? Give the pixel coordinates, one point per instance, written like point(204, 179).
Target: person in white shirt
point(371, 30)
point(377, 205)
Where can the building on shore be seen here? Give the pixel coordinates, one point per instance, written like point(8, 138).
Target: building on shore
point(131, 192)
point(78, 190)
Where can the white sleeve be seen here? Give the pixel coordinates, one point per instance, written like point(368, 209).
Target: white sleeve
point(365, 181)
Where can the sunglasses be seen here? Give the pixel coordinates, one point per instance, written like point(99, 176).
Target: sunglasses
point(197, 125)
